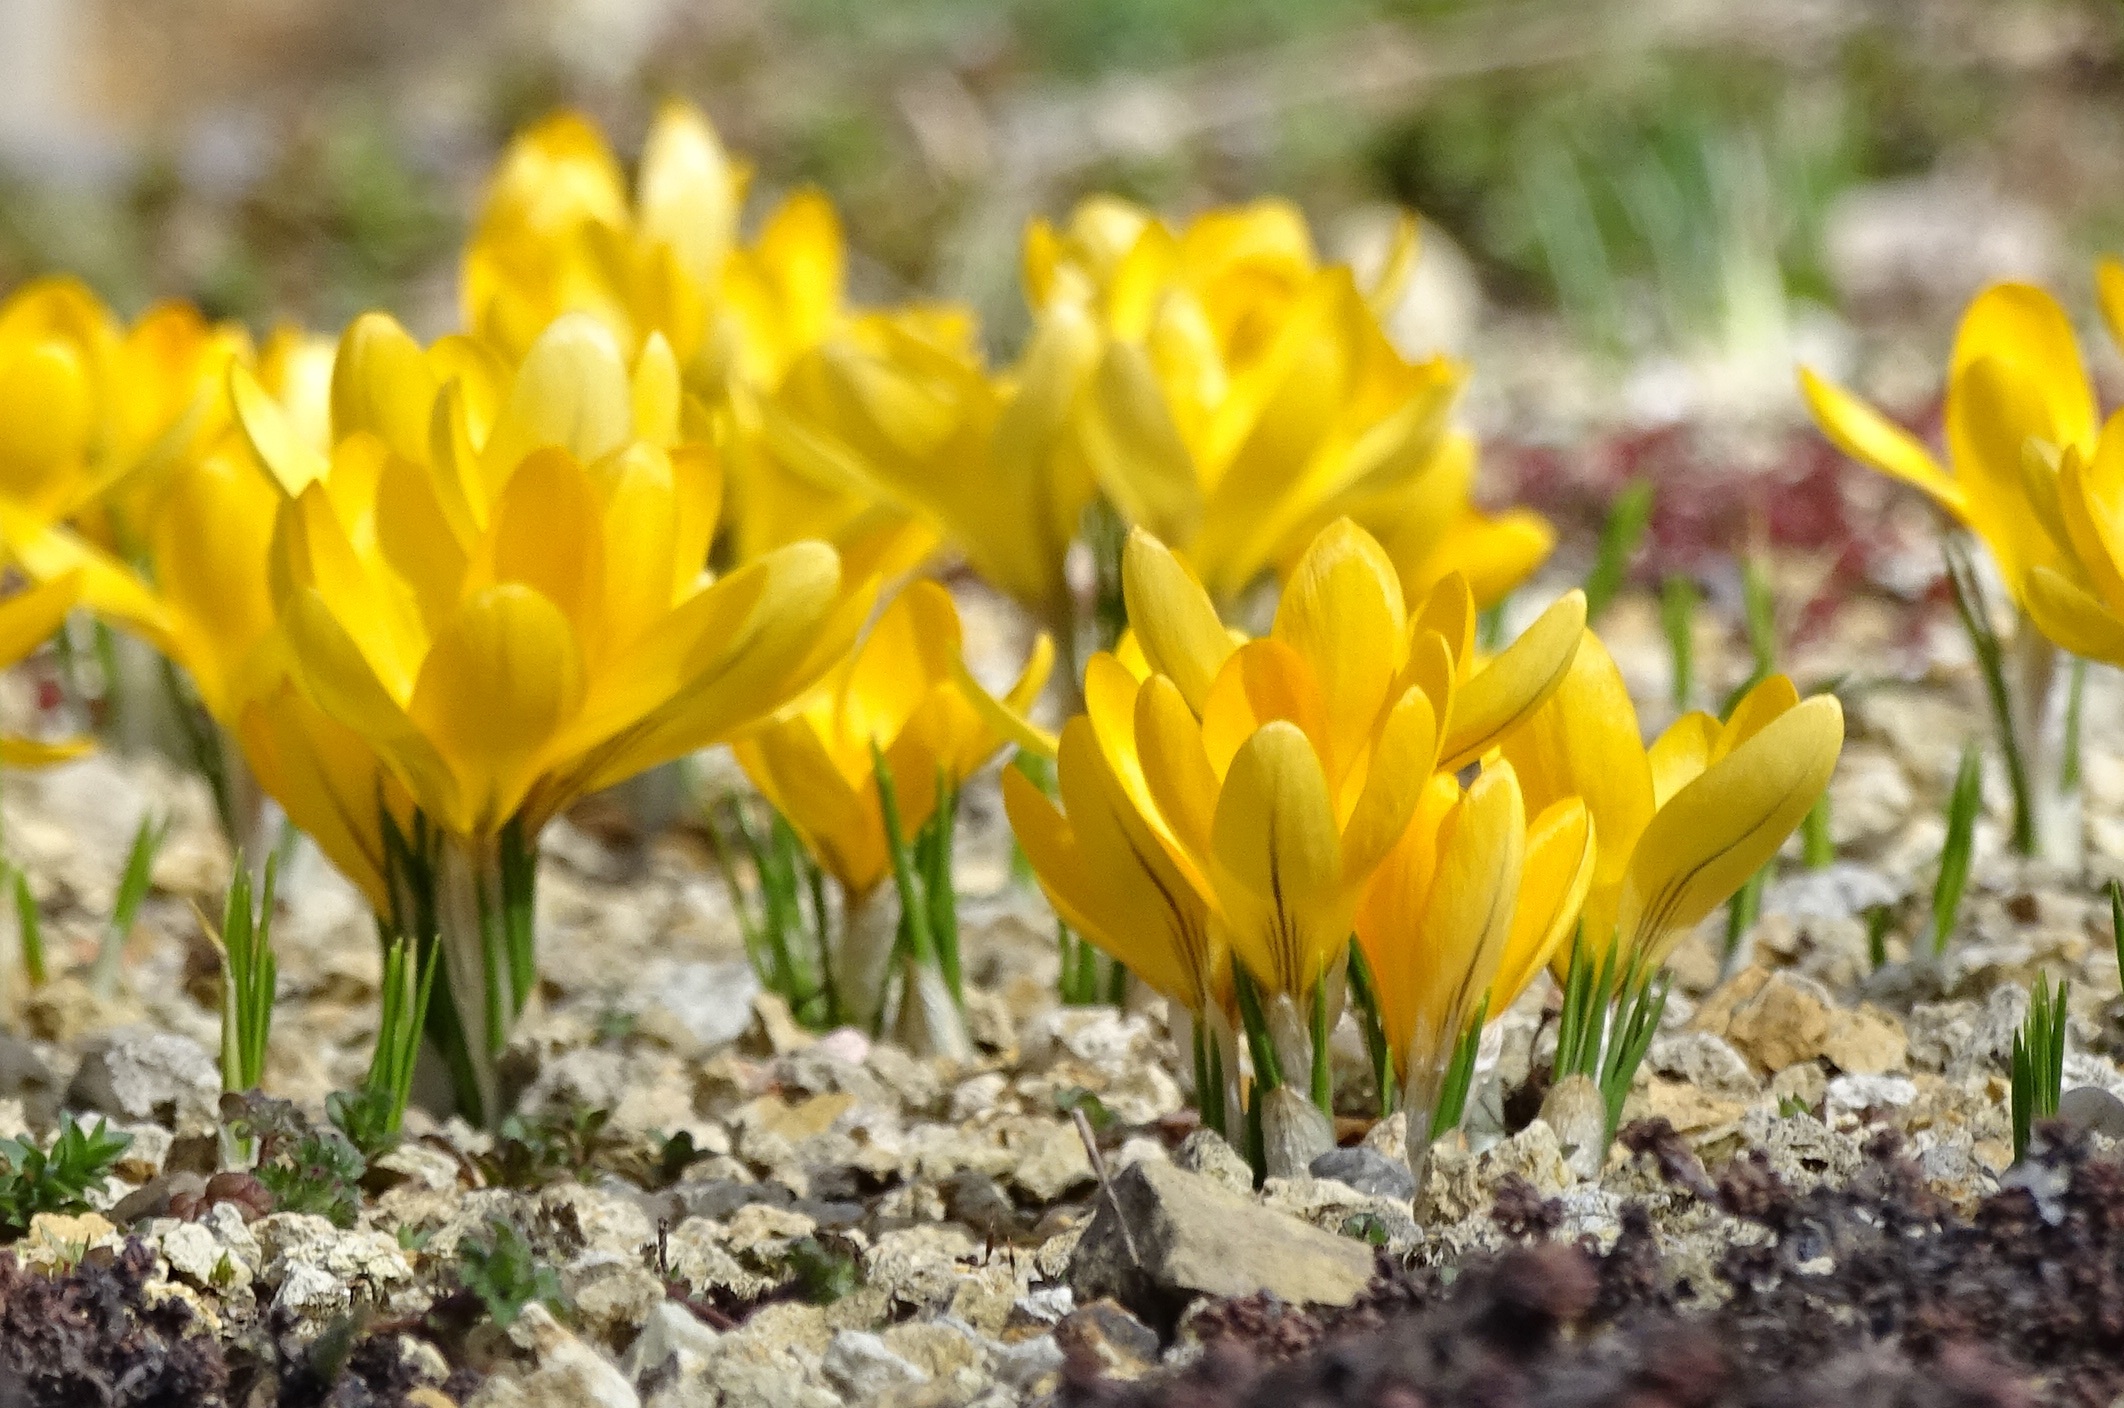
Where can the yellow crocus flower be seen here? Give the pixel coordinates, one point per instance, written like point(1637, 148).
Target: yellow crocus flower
point(526, 618)
point(2018, 406)
point(905, 691)
point(560, 233)
point(1679, 826)
point(1470, 903)
point(1288, 766)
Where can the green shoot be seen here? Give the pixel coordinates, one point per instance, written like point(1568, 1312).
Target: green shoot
point(933, 853)
point(1268, 1068)
point(2038, 1061)
point(1878, 921)
point(1323, 1091)
point(34, 1180)
point(2075, 702)
point(1962, 807)
point(2116, 923)
point(372, 1117)
point(1759, 607)
point(928, 939)
point(249, 974)
point(1743, 910)
point(1079, 979)
point(788, 951)
point(1970, 604)
point(1677, 613)
point(1364, 996)
point(1628, 515)
point(1611, 1012)
point(1116, 983)
point(1452, 1103)
point(31, 927)
point(125, 908)
point(1209, 1078)
point(1817, 845)
point(505, 1274)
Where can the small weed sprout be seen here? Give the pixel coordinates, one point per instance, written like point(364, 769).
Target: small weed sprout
point(249, 975)
point(503, 1271)
point(58, 1179)
point(125, 908)
point(372, 1116)
point(1628, 517)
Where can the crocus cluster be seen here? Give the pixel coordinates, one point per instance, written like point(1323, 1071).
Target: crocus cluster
point(1232, 810)
point(666, 488)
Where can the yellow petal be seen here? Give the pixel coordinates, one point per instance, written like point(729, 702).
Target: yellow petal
point(1512, 686)
point(1173, 618)
point(689, 193)
point(1264, 680)
point(839, 821)
point(1727, 824)
point(1678, 757)
point(29, 617)
point(1871, 438)
point(1135, 450)
point(1772, 696)
point(2022, 330)
point(2069, 616)
point(1400, 768)
point(500, 680)
point(18, 752)
point(381, 383)
point(1342, 612)
point(1584, 742)
point(1176, 769)
point(2109, 293)
point(544, 535)
point(273, 437)
point(1278, 860)
point(570, 392)
point(1562, 846)
point(1468, 918)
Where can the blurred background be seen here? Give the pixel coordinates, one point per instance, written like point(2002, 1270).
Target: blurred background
point(1638, 213)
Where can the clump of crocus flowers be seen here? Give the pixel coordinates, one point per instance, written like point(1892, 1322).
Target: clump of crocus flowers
point(667, 490)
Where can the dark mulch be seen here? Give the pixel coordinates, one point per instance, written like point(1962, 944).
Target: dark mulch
point(1914, 1305)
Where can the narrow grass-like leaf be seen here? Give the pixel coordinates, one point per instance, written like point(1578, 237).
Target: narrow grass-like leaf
point(1364, 996)
point(1323, 1069)
point(1268, 1069)
point(1817, 846)
point(1452, 1103)
point(2116, 923)
point(1878, 920)
point(1677, 614)
point(1970, 605)
point(1743, 910)
point(2075, 705)
point(125, 906)
point(1628, 515)
point(31, 927)
point(1962, 807)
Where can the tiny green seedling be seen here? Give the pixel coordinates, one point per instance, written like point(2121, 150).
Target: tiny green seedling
point(58, 1179)
point(507, 1276)
point(1452, 1104)
point(30, 926)
point(372, 1116)
point(2038, 1061)
point(1963, 805)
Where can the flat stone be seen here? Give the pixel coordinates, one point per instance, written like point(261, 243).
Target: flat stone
point(2092, 1108)
point(141, 1074)
point(1865, 1042)
point(1783, 1022)
point(860, 1365)
point(1206, 1153)
point(1367, 1171)
point(566, 1373)
point(1197, 1238)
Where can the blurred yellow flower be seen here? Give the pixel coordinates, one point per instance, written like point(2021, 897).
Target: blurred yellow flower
point(2018, 408)
point(1232, 394)
point(1682, 825)
point(558, 233)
